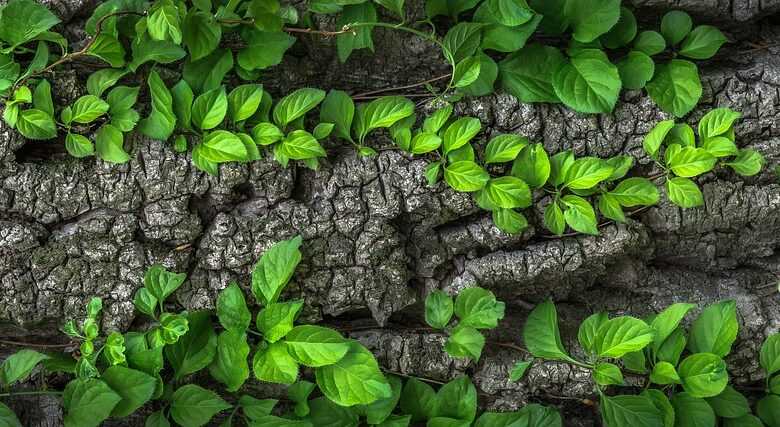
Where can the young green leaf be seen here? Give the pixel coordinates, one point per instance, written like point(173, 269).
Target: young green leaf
point(424, 142)
point(479, 308)
point(296, 104)
point(589, 83)
point(194, 406)
point(301, 145)
point(354, 379)
point(360, 37)
point(715, 330)
point(610, 208)
point(243, 101)
point(466, 176)
point(622, 335)
point(196, 349)
point(438, 309)
point(221, 146)
point(508, 192)
point(509, 221)
point(702, 43)
point(316, 346)
point(465, 341)
point(466, 72)
point(436, 121)
point(606, 374)
point(504, 148)
point(266, 134)
point(650, 43)
point(518, 371)
point(134, 387)
point(460, 132)
point(380, 411)
point(587, 172)
point(689, 162)
point(230, 366)
point(88, 402)
point(78, 145)
point(274, 269)
point(667, 321)
point(209, 109)
point(541, 335)
point(162, 283)
point(579, 214)
point(636, 69)
point(717, 122)
point(729, 404)
point(339, 109)
point(462, 41)
point(684, 193)
point(36, 124)
point(747, 163)
point(109, 144)
point(675, 25)
point(554, 219)
point(201, 33)
point(382, 113)
point(274, 364)
point(628, 410)
point(528, 73)
point(720, 146)
point(182, 97)
point(676, 87)
point(276, 319)
point(232, 310)
point(161, 121)
point(164, 21)
point(664, 373)
point(532, 165)
point(635, 192)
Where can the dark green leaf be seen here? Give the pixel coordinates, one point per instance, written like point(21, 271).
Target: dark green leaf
point(196, 349)
point(194, 406)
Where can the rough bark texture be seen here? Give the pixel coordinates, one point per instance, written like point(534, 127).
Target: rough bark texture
point(377, 238)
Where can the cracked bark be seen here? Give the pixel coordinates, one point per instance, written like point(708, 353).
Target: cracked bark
point(377, 238)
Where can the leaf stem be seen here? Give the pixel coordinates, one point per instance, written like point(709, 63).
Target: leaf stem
point(397, 88)
point(31, 393)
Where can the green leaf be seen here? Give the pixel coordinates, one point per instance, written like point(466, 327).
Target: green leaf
point(451, 8)
point(528, 73)
point(586, 333)
point(504, 148)
point(606, 374)
point(672, 347)
point(109, 49)
point(257, 408)
point(622, 335)
point(702, 43)
point(207, 74)
point(675, 25)
point(36, 124)
point(266, 134)
point(744, 421)
point(689, 162)
point(382, 113)
point(360, 37)
point(650, 42)
point(78, 145)
point(8, 418)
point(664, 373)
point(541, 335)
point(509, 221)
point(99, 81)
point(720, 147)
point(146, 49)
point(230, 365)
point(437, 120)
point(42, 98)
point(532, 165)
point(201, 34)
point(770, 355)
point(172, 327)
point(162, 283)
point(244, 101)
point(273, 363)
point(635, 192)
point(591, 18)
point(554, 219)
point(88, 108)
point(661, 402)
point(667, 321)
point(508, 192)
point(768, 409)
point(274, 270)
point(194, 406)
point(747, 163)
point(654, 138)
point(466, 72)
point(316, 346)
point(438, 309)
point(622, 33)
point(466, 176)
point(264, 49)
point(109, 144)
point(432, 173)
point(203, 164)
point(18, 366)
point(164, 22)
point(222, 146)
point(693, 411)
point(196, 349)
point(715, 330)
point(684, 193)
point(579, 214)
point(354, 379)
point(703, 374)
point(636, 69)
point(395, 6)
point(488, 73)
point(460, 132)
point(638, 411)
point(589, 83)
point(182, 98)
point(339, 109)
point(465, 341)
point(729, 404)
point(88, 402)
point(457, 399)
point(301, 145)
point(587, 172)
point(296, 104)
point(559, 167)
point(610, 208)
point(379, 411)
point(23, 20)
point(161, 121)
point(676, 87)
point(424, 142)
point(478, 307)
point(462, 41)
point(232, 310)
point(135, 388)
point(717, 122)
point(418, 399)
point(210, 109)
point(276, 319)
point(326, 413)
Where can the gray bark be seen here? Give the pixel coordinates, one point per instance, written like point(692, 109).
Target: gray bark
point(377, 238)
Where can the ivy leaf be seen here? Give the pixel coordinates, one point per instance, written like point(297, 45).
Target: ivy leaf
point(541, 335)
point(438, 309)
point(196, 349)
point(296, 104)
point(747, 163)
point(676, 87)
point(360, 37)
point(134, 387)
point(589, 83)
point(244, 100)
point(689, 162)
point(274, 364)
point(193, 405)
point(528, 73)
point(636, 69)
point(232, 310)
point(161, 121)
point(316, 346)
point(23, 20)
point(354, 379)
point(339, 109)
point(276, 320)
point(715, 330)
point(465, 341)
point(466, 176)
point(554, 219)
point(479, 308)
point(684, 193)
point(702, 43)
point(36, 124)
point(675, 25)
point(230, 366)
point(109, 144)
point(88, 402)
point(621, 335)
point(274, 270)
point(532, 165)
point(630, 410)
point(201, 33)
point(579, 214)
point(650, 43)
point(264, 49)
